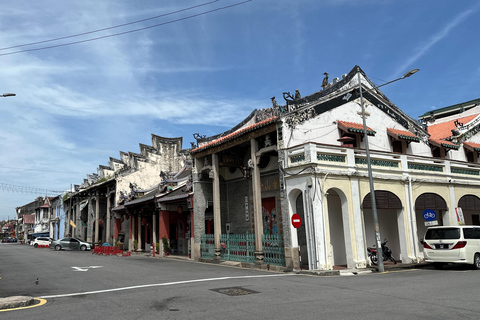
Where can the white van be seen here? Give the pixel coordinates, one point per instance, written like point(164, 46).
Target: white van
point(452, 244)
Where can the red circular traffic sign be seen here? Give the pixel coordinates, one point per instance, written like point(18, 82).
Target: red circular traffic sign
point(296, 220)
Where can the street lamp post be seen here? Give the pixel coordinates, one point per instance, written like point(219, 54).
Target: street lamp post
point(369, 166)
point(8, 95)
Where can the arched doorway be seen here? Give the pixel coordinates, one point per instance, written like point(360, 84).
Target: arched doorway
point(336, 227)
point(302, 232)
point(430, 201)
point(470, 205)
point(389, 210)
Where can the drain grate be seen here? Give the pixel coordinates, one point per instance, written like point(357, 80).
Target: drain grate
point(234, 291)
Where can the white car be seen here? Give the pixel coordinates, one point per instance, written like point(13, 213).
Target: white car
point(452, 244)
point(41, 241)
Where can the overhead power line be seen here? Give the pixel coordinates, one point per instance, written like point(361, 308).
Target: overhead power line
point(30, 190)
point(40, 170)
point(130, 31)
point(109, 28)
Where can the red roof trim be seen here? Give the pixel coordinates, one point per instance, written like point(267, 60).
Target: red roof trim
point(235, 134)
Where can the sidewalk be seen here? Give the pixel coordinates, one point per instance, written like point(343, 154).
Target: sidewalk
point(388, 266)
point(15, 302)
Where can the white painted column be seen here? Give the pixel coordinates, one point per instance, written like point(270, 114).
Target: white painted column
point(217, 222)
point(361, 258)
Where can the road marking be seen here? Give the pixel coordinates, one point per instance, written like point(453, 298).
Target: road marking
point(159, 284)
point(85, 268)
point(41, 303)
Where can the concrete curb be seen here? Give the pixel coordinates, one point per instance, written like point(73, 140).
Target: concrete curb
point(15, 302)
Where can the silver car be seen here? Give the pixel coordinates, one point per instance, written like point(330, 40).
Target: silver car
point(71, 244)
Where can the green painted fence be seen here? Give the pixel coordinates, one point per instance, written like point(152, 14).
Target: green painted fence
point(238, 247)
point(207, 246)
point(241, 248)
point(273, 249)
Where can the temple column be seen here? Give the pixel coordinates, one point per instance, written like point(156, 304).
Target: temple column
point(217, 223)
point(97, 218)
point(130, 233)
point(154, 233)
point(257, 202)
point(78, 221)
point(163, 228)
point(139, 234)
point(107, 237)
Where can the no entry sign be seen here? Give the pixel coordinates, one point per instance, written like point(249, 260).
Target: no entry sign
point(296, 220)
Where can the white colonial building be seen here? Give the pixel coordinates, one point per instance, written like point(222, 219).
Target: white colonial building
point(309, 158)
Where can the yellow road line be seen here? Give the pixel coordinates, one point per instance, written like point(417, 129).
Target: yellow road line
point(40, 303)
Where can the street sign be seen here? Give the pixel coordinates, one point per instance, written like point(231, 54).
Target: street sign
point(429, 215)
point(431, 223)
point(296, 220)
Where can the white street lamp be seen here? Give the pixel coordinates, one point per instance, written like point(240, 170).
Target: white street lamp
point(369, 166)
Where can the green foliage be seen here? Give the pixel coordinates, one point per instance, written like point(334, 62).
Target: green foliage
point(166, 245)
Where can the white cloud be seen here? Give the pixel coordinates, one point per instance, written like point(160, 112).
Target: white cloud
point(439, 36)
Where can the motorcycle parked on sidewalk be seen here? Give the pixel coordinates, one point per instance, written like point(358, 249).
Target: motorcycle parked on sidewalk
point(386, 253)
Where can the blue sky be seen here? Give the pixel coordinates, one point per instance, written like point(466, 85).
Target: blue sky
point(79, 105)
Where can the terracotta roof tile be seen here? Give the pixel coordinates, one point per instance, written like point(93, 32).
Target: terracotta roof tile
point(443, 143)
point(472, 146)
point(444, 130)
point(354, 127)
point(235, 134)
point(402, 134)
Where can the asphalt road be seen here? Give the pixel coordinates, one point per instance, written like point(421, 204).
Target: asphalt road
point(79, 285)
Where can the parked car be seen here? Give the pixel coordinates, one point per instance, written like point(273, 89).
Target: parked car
point(6, 239)
point(71, 244)
point(13, 240)
point(452, 244)
point(41, 241)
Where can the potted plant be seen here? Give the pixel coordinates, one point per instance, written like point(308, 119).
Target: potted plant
point(166, 246)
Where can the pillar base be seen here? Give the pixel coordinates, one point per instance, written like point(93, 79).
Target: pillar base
point(217, 254)
point(259, 258)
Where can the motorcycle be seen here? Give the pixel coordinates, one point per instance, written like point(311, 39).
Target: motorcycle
point(386, 253)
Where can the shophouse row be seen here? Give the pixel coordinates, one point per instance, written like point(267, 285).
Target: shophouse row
point(232, 196)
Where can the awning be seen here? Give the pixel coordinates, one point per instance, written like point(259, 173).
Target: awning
point(354, 127)
point(402, 135)
point(443, 143)
point(475, 147)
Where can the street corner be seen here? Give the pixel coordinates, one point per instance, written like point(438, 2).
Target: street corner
point(16, 302)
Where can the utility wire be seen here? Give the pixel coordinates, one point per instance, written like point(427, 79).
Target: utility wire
point(38, 170)
point(130, 31)
point(109, 28)
point(29, 190)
